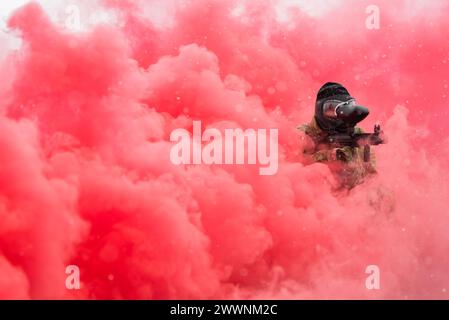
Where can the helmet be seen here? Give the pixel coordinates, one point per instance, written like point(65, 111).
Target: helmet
point(336, 110)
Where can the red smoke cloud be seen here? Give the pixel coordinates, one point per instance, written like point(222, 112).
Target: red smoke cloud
point(86, 179)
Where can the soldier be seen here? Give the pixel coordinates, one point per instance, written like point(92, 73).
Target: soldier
point(336, 113)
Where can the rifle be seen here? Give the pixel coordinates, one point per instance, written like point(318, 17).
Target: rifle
point(354, 140)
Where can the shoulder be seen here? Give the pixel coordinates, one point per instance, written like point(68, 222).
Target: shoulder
point(311, 129)
point(358, 130)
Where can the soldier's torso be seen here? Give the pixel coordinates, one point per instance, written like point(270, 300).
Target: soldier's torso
point(352, 170)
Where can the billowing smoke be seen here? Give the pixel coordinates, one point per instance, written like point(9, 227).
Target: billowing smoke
point(86, 178)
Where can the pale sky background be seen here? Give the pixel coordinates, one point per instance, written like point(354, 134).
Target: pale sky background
point(159, 12)
point(313, 7)
point(8, 6)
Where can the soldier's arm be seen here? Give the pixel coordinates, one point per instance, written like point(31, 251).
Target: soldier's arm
point(322, 156)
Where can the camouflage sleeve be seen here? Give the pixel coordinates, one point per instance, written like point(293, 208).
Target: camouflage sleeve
point(322, 155)
point(344, 154)
point(358, 130)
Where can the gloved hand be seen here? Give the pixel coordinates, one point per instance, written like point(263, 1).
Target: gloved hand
point(344, 154)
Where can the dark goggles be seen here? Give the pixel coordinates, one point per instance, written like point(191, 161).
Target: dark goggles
point(330, 107)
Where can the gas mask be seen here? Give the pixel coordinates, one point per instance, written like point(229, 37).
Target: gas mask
point(336, 110)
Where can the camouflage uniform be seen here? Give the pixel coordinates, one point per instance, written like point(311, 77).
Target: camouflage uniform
point(346, 163)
